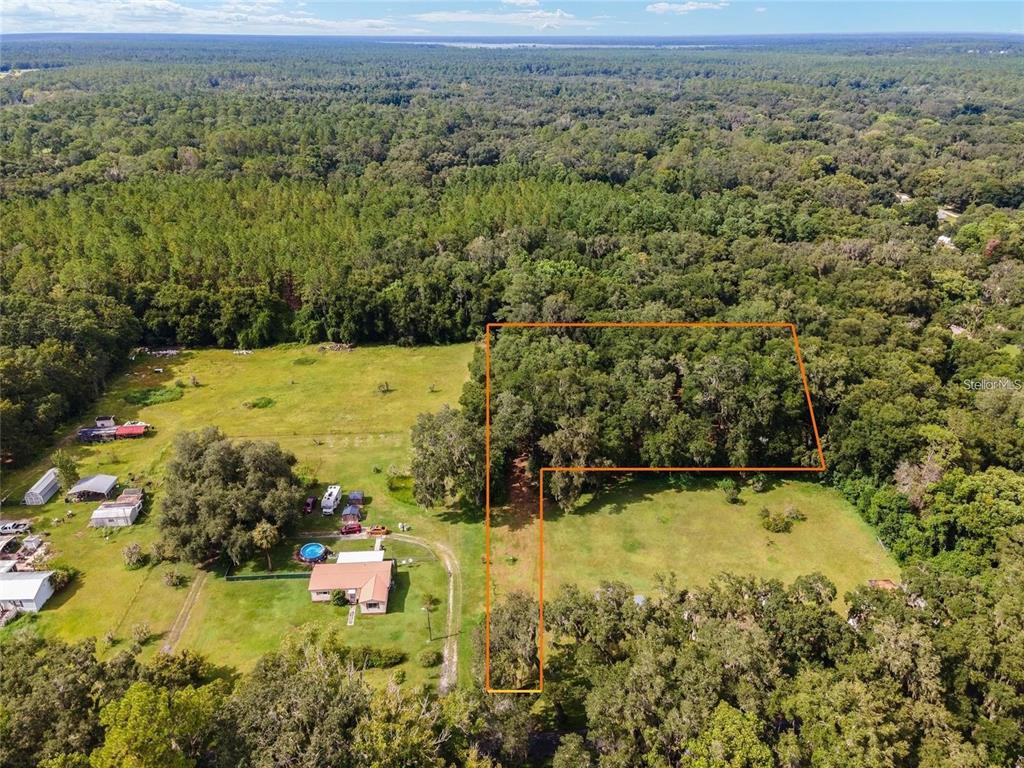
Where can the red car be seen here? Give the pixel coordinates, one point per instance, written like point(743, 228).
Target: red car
point(350, 528)
point(309, 506)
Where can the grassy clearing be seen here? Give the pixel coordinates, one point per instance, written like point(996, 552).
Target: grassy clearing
point(644, 528)
point(327, 409)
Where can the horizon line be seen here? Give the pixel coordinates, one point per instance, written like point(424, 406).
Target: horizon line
point(538, 36)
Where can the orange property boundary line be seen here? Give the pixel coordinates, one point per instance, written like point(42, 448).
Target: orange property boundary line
point(540, 520)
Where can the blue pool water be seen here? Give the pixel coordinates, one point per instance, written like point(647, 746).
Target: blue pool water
point(312, 551)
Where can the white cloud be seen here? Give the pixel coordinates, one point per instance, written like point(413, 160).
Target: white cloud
point(522, 3)
point(225, 17)
point(535, 19)
point(685, 7)
point(760, 9)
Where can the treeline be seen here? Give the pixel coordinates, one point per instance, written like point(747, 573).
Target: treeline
point(306, 704)
point(759, 674)
point(55, 356)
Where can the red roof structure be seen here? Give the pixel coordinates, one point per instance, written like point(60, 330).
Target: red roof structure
point(135, 430)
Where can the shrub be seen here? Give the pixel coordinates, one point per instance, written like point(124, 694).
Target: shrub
point(780, 521)
point(141, 633)
point(731, 488)
point(62, 576)
point(429, 658)
point(175, 578)
point(133, 556)
point(153, 395)
point(370, 657)
point(259, 402)
point(159, 552)
point(180, 384)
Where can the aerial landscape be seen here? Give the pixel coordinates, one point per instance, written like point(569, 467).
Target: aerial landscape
point(501, 384)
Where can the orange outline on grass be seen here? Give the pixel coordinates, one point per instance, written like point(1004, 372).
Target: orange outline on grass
point(540, 520)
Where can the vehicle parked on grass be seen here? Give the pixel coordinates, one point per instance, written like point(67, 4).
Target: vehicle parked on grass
point(349, 529)
point(330, 500)
point(379, 530)
point(14, 527)
point(309, 506)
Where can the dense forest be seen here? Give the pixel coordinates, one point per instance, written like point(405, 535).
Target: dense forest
point(159, 191)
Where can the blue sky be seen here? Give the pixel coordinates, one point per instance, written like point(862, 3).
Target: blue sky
point(512, 17)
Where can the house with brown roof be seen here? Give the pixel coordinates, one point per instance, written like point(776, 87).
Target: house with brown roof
point(364, 584)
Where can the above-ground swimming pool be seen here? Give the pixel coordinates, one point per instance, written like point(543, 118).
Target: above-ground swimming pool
point(313, 552)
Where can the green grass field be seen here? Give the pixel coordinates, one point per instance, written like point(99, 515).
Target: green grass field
point(644, 528)
point(328, 410)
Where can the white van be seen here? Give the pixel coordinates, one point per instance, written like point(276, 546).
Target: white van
point(330, 499)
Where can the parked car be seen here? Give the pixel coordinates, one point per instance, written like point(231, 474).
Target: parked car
point(18, 526)
point(379, 530)
point(351, 528)
point(309, 506)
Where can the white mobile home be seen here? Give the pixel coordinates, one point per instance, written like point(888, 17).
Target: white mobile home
point(330, 500)
point(43, 490)
point(115, 514)
point(25, 591)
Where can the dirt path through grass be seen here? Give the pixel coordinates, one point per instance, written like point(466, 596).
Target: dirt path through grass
point(181, 620)
point(450, 663)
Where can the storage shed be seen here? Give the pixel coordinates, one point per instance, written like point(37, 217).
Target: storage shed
point(44, 488)
point(93, 488)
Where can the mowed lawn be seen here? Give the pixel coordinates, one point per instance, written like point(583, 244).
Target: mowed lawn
point(269, 609)
point(644, 528)
point(329, 411)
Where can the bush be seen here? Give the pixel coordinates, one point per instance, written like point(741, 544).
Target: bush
point(159, 552)
point(175, 578)
point(370, 657)
point(429, 658)
point(133, 556)
point(259, 402)
point(62, 576)
point(731, 488)
point(153, 395)
point(141, 633)
point(780, 521)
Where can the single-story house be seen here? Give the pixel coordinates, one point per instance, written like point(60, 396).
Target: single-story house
point(25, 591)
point(364, 584)
point(44, 488)
point(356, 498)
point(116, 514)
point(106, 421)
point(93, 488)
point(363, 556)
point(351, 514)
point(330, 499)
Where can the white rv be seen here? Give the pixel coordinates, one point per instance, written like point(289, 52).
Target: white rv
point(330, 500)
